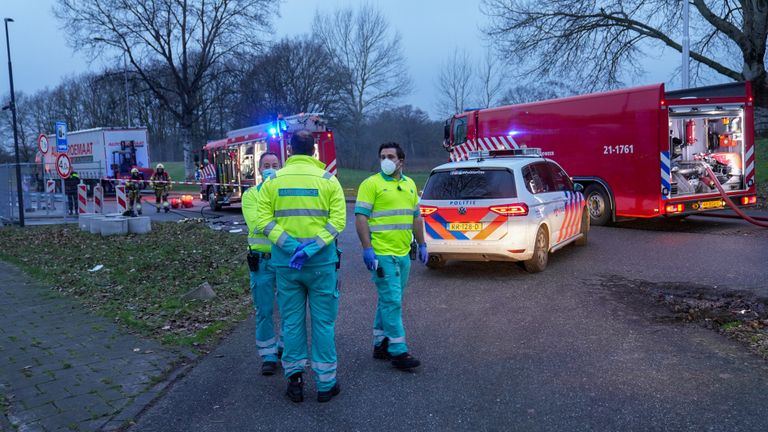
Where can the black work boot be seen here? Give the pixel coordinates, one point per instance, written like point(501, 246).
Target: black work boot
point(380, 352)
point(268, 368)
point(405, 361)
point(295, 389)
point(325, 396)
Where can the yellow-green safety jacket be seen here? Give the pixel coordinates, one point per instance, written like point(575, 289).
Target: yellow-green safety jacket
point(257, 242)
point(391, 205)
point(303, 203)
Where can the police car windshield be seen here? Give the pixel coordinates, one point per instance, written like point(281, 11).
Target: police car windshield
point(470, 183)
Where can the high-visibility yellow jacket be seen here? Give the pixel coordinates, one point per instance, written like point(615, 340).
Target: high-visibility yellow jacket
point(302, 204)
point(257, 242)
point(390, 205)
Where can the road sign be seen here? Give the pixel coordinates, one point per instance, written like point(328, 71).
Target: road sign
point(63, 165)
point(61, 137)
point(42, 143)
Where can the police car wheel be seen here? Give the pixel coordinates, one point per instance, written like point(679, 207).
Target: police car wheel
point(435, 262)
point(538, 261)
point(582, 241)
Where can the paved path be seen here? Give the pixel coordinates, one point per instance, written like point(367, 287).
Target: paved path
point(62, 368)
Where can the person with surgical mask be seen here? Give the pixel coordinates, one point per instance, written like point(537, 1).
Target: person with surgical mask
point(262, 273)
point(387, 219)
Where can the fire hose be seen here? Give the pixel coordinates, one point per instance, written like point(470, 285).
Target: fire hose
point(728, 200)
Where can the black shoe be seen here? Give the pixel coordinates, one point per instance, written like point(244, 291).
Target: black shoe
point(325, 396)
point(268, 368)
point(158, 209)
point(167, 209)
point(295, 391)
point(380, 352)
point(405, 361)
point(279, 352)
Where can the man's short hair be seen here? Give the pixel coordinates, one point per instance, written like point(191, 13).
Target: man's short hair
point(265, 154)
point(394, 145)
point(303, 143)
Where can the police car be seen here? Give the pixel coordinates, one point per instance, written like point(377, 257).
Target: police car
point(504, 205)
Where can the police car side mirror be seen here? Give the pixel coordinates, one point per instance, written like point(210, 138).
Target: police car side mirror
point(577, 187)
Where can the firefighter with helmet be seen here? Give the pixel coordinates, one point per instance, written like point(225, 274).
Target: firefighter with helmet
point(133, 187)
point(161, 183)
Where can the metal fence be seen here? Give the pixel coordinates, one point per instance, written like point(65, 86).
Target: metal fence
point(38, 203)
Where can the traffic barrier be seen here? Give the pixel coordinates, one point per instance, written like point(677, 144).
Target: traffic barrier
point(98, 199)
point(122, 205)
point(82, 198)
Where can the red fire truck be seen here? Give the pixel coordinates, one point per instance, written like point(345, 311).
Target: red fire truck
point(233, 161)
point(639, 152)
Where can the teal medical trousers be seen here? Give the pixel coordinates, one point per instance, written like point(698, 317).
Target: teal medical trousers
point(263, 294)
point(317, 286)
point(390, 283)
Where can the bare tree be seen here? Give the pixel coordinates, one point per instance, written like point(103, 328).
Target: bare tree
point(454, 84)
point(535, 92)
point(596, 42)
point(492, 79)
point(295, 75)
point(369, 53)
point(188, 37)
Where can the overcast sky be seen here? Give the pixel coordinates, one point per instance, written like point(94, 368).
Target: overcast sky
point(430, 30)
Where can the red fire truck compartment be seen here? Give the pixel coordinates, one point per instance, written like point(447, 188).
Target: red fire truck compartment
point(640, 152)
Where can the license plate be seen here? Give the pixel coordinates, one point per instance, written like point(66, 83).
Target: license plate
point(465, 226)
point(711, 204)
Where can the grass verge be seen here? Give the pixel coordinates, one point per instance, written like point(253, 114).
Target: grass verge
point(144, 277)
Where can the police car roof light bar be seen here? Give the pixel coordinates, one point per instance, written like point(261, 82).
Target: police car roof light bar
point(523, 151)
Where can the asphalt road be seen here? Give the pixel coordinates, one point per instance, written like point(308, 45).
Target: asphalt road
point(573, 348)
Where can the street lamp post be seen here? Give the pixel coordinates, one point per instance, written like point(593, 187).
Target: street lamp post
point(125, 75)
point(15, 133)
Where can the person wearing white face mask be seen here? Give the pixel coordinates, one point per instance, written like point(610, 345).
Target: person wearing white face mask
point(262, 273)
point(387, 218)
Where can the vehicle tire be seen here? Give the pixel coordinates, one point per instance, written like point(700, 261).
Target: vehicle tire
point(582, 241)
point(598, 204)
point(435, 262)
point(538, 261)
point(212, 201)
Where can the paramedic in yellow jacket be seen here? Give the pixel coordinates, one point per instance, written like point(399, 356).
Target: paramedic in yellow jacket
point(262, 273)
point(302, 211)
point(161, 183)
point(387, 218)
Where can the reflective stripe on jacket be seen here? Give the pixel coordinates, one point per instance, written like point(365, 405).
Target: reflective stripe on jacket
point(257, 241)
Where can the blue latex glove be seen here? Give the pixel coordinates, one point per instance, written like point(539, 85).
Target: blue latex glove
point(423, 255)
point(298, 259)
point(302, 246)
point(369, 257)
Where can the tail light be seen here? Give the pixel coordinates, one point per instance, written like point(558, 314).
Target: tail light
point(747, 200)
point(427, 210)
point(675, 208)
point(518, 209)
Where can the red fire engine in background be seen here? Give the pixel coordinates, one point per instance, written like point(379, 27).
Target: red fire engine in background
point(233, 161)
point(639, 152)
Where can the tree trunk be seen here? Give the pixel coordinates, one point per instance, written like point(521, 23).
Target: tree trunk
point(760, 95)
point(186, 146)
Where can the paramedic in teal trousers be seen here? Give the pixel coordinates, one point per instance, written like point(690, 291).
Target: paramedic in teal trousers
point(302, 211)
point(262, 272)
point(387, 218)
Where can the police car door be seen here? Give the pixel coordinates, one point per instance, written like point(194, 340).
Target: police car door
point(550, 204)
point(573, 204)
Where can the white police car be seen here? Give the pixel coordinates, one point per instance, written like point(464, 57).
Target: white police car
point(505, 205)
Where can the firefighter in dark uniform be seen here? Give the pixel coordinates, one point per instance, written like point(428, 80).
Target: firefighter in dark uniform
point(161, 183)
point(133, 188)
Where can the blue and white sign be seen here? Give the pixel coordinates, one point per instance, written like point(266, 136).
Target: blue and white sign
point(61, 137)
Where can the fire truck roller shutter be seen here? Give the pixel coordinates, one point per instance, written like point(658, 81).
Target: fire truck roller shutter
point(599, 203)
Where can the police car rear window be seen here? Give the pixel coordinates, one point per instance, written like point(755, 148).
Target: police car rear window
point(474, 183)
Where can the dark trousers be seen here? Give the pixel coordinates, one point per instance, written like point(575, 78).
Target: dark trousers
point(72, 203)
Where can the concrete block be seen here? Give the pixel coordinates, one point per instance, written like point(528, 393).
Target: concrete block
point(139, 225)
point(84, 221)
point(113, 226)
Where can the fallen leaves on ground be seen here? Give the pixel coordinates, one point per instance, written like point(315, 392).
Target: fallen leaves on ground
point(142, 277)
